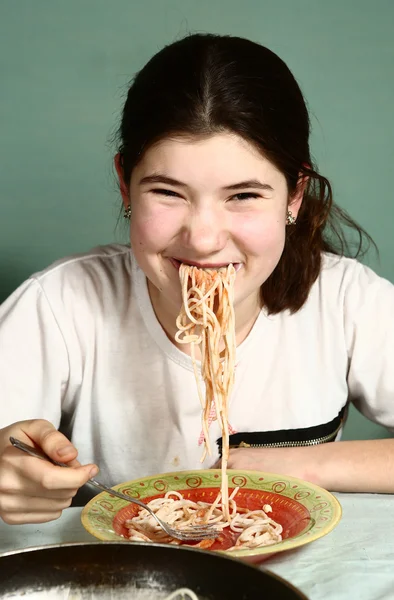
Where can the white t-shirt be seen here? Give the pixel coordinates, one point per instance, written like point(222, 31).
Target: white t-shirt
point(80, 346)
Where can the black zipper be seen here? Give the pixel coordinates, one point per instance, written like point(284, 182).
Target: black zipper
point(321, 440)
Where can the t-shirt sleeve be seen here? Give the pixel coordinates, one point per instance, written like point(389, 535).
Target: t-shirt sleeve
point(369, 331)
point(33, 358)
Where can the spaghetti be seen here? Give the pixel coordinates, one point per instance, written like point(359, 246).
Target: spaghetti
point(207, 320)
point(251, 528)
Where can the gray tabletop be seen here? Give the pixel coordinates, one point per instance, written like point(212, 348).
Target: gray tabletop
point(355, 561)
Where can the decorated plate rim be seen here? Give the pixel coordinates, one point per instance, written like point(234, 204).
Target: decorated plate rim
point(289, 544)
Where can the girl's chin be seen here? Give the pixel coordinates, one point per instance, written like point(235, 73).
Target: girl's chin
point(167, 295)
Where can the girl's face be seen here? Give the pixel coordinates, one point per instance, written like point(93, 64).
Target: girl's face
point(207, 202)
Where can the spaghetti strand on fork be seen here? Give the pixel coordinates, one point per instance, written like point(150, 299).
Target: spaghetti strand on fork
point(207, 319)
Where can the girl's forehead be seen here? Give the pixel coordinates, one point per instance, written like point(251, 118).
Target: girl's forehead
point(220, 154)
point(225, 141)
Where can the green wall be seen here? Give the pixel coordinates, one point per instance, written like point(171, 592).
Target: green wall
point(64, 66)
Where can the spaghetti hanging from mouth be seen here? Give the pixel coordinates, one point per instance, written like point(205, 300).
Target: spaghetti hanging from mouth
point(207, 320)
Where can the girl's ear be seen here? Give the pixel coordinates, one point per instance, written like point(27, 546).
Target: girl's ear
point(123, 187)
point(297, 197)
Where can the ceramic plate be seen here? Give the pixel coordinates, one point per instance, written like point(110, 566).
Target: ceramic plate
point(305, 511)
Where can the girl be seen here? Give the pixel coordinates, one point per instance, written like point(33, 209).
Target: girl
point(214, 168)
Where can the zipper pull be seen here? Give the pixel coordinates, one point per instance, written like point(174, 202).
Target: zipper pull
point(241, 445)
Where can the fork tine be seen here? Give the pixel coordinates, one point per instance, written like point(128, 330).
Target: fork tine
point(200, 528)
point(193, 538)
point(190, 535)
point(203, 528)
point(201, 536)
point(211, 534)
point(205, 531)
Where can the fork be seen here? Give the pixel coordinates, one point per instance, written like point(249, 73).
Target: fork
point(195, 533)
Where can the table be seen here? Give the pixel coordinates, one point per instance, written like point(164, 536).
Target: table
point(353, 562)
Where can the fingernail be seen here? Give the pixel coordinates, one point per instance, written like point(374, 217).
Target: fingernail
point(93, 472)
point(65, 450)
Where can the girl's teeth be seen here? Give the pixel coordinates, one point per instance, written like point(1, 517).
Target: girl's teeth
point(237, 266)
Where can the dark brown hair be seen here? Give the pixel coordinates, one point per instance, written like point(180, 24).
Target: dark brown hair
point(206, 84)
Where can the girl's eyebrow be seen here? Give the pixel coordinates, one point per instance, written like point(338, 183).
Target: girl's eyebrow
point(250, 183)
point(159, 178)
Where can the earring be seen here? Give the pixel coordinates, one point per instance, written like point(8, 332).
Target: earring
point(290, 220)
point(127, 212)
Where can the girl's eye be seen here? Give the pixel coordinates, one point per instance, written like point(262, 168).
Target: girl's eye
point(164, 192)
point(245, 196)
point(240, 197)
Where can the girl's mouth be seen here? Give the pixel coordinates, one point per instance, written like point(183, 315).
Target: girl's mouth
point(176, 262)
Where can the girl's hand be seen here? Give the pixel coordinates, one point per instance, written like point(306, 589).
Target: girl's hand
point(363, 466)
point(33, 490)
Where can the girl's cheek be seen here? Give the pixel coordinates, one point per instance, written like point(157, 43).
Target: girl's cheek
point(259, 234)
point(154, 228)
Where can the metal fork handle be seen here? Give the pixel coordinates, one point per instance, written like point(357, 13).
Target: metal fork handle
point(105, 488)
point(38, 453)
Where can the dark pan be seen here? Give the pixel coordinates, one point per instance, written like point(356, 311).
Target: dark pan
point(117, 570)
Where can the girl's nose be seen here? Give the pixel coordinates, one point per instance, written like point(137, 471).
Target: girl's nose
point(205, 233)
